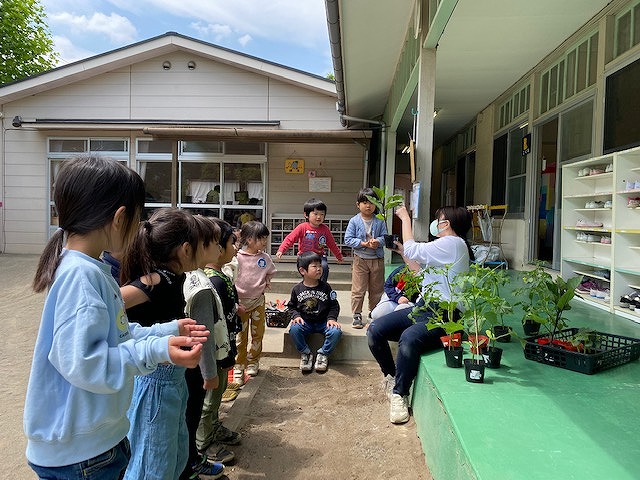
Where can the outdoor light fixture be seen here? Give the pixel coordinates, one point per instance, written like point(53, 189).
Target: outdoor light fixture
point(166, 65)
point(17, 121)
point(191, 65)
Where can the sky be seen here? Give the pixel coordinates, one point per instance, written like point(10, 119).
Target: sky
point(289, 32)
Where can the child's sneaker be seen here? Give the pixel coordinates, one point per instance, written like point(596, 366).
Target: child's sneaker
point(218, 453)
point(357, 321)
point(586, 286)
point(626, 301)
point(253, 368)
point(226, 436)
point(399, 412)
point(321, 362)
point(306, 362)
point(208, 470)
point(238, 375)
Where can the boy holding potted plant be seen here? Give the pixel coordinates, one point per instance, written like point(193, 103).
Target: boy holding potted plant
point(365, 234)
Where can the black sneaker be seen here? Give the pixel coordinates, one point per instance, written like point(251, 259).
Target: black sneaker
point(225, 436)
point(216, 452)
point(207, 470)
point(357, 321)
point(627, 301)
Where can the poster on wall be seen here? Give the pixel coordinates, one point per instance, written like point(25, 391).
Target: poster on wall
point(415, 198)
point(294, 165)
point(320, 184)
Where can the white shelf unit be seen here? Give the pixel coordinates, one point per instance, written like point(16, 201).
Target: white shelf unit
point(616, 264)
point(283, 223)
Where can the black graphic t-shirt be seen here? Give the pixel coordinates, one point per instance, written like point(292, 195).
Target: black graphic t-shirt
point(314, 304)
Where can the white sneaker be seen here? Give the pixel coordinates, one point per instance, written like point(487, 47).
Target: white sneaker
point(238, 376)
point(253, 368)
point(306, 362)
point(399, 412)
point(321, 362)
point(387, 385)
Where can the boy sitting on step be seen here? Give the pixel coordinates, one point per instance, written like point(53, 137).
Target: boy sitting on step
point(314, 309)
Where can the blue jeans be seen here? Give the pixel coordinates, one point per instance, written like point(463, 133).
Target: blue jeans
point(413, 339)
point(299, 332)
point(106, 466)
point(325, 268)
point(158, 432)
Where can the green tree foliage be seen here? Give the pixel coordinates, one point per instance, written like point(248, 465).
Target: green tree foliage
point(26, 46)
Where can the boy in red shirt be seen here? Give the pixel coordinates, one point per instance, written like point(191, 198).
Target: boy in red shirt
point(313, 236)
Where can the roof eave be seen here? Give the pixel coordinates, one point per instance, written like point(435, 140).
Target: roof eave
point(151, 48)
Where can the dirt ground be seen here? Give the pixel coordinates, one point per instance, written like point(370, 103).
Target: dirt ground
point(316, 426)
point(325, 426)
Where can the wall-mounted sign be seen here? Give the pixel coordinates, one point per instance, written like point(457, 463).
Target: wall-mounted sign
point(526, 144)
point(320, 184)
point(294, 165)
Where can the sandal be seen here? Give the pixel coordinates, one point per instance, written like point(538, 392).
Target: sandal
point(229, 395)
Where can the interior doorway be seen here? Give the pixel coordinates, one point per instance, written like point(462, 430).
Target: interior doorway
point(546, 206)
point(465, 177)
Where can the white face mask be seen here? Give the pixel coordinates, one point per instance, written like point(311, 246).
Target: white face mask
point(433, 228)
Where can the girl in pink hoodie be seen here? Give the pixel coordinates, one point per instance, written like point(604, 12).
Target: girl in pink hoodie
point(255, 270)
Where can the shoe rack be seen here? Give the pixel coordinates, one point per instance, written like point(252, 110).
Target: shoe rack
point(600, 236)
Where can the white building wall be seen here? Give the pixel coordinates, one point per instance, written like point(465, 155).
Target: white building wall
point(343, 163)
point(25, 190)
point(144, 91)
point(213, 91)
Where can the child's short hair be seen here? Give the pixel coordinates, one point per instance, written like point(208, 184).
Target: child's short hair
point(252, 230)
point(226, 231)
point(307, 258)
point(314, 204)
point(208, 230)
point(362, 196)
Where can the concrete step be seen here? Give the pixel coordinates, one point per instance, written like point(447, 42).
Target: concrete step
point(336, 271)
point(284, 286)
point(288, 276)
point(353, 345)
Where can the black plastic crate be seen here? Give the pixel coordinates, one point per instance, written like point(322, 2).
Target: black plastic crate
point(611, 351)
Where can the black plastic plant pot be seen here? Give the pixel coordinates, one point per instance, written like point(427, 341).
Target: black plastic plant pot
point(453, 357)
point(474, 370)
point(502, 333)
point(530, 327)
point(389, 239)
point(492, 357)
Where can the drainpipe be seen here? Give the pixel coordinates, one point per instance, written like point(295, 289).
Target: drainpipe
point(333, 25)
point(335, 40)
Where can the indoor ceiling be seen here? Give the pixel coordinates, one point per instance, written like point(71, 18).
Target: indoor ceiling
point(486, 47)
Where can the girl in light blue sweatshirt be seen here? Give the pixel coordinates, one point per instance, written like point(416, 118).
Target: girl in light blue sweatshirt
point(87, 352)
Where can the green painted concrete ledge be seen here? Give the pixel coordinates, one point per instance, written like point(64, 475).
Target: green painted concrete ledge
point(529, 420)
